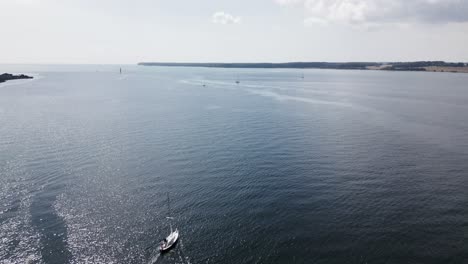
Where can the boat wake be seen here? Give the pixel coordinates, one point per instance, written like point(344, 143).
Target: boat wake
point(179, 255)
point(180, 252)
point(123, 77)
point(153, 259)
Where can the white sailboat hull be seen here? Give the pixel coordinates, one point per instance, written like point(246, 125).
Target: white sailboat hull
point(169, 242)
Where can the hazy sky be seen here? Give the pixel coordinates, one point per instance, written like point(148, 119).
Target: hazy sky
point(129, 31)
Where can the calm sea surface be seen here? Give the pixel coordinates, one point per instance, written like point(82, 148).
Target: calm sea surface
point(338, 167)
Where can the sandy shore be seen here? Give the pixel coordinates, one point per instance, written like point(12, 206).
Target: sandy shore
point(429, 68)
point(446, 69)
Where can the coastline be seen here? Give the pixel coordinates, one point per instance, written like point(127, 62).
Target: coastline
point(9, 77)
point(34, 77)
point(422, 66)
point(447, 69)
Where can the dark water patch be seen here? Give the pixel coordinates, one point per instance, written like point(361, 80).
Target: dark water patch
point(51, 227)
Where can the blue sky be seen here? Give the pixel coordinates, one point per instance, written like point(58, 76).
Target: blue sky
point(125, 31)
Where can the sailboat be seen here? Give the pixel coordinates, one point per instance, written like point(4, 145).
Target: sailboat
point(168, 242)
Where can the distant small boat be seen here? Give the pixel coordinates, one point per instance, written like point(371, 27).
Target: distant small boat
point(168, 242)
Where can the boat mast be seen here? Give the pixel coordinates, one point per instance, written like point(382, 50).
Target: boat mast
point(169, 212)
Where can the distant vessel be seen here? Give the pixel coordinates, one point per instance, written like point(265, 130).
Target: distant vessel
point(237, 80)
point(168, 242)
point(120, 70)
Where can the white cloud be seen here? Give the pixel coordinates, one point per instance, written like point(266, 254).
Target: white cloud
point(359, 12)
point(225, 18)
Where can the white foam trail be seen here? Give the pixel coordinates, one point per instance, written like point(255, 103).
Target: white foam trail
point(181, 256)
point(210, 83)
point(282, 97)
point(154, 258)
point(123, 77)
point(212, 107)
point(430, 133)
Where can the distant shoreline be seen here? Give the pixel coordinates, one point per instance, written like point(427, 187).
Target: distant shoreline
point(429, 66)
